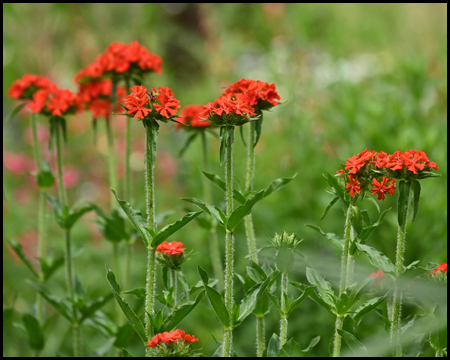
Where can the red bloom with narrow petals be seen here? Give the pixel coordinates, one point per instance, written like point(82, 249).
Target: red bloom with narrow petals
point(257, 94)
point(172, 248)
point(353, 185)
point(172, 336)
point(191, 115)
point(442, 267)
point(382, 189)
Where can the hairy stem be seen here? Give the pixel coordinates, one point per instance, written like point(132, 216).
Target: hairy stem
point(260, 336)
point(213, 240)
point(229, 242)
point(173, 279)
point(284, 309)
point(397, 301)
point(150, 207)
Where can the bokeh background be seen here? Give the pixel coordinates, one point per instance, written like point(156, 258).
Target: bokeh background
point(351, 76)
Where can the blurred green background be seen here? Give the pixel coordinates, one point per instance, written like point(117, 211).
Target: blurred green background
point(352, 76)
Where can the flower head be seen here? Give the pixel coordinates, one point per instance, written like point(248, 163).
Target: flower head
point(25, 87)
point(175, 343)
point(382, 189)
point(191, 115)
point(258, 94)
point(353, 185)
point(59, 102)
point(171, 255)
point(379, 277)
point(228, 110)
point(172, 248)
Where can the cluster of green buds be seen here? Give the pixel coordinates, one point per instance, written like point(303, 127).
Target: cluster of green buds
point(286, 246)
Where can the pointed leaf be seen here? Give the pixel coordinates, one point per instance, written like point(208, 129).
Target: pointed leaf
point(302, 297)
point(21, 254)
point(138, 292)
point(323, 287)
point(330, 236)
point(56, 302)
point(311, 345)
point(35, 333)
point(334, 183)
point(241, 131)
point(377, 259)
point(125, 353)
point(242, 211)
point(93, 306)
point(416, 192)
point(353, 343)
point(368, 306)
point(403, 200)
point(274, 347)
point(369, 229)
point(330, 205)
point(191, 137)
point(216, 300)
point(75, 214)
point(213, 211)
point(277, 185)
point(221, 184)
point(180, 313)
point(172, 228)
point(136, 219)
point(135, 322)
point(13, 113)
point(112, 226)
point(49, 268)
point(258, 128)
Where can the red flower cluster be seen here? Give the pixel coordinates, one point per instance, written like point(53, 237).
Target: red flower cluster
point(25, 87)
point(120, 58)
point(369, 164)
point(57, 103)
point(257, 93)
point(382, 189)
point(191, 115)
point(227, 110)
point(162, 101)
point(442, 268)
point(172, 248)
point(173, 336)
point(96, 95)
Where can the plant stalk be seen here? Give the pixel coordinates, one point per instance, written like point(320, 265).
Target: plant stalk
point(173, 279)
point(213, 240)
point(229, 242)
point(260, 336)
point(397, 301)
point(284, 309)
point(150, 207)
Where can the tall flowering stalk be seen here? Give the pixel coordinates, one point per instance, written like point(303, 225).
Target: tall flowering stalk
point(190, 115)
point(261, 96)
point(23, 89)
point(228, 112)
point(124, 63)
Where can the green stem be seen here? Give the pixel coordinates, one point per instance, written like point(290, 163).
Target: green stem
point(111, 164)
point(284, 309)
point(260, 336)
point(397, 302)
point(173, 279)
point(150, 207)
point(213, 240)
point(229, 242)
point(344, 276)
point(250, 174)
point(61, 188)
point(41, 216)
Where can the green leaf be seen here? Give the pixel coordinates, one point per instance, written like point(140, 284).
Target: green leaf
point(13, 113)
point(258, 128)
point(366, 231)
point(56, 302)
point(416, 192)
point(93, 306)
point(216, 300)
point(139, 292)
point(330, 236)
point(172, 228)
point(125, 353)
point(377, 259)
point(252, 296)
point(330, 205)
point(302, 297)
point(213, 211)
point(241, 131)
point(242, 211)
point(180, 313)
point(403, 200)
point(277, 185)
point(20, 253)
point(323, 287)
point(135, 322)
point(334, 183)
point(223, 143)
point(75, 214)
point(311, 345)
point(355, 346)
point(368, 306)
point(45, 177)
point(35, 333)
point(50, 268)
point(136, 219)
point(112, 227)
point(191, 137)
point(221, 184)
point(274, 347)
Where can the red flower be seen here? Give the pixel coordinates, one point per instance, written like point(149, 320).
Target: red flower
point(168, 105)
point(254, 93)
point(173, 336)
point(379, 277)
point(442, 268)
point(356, 162)
point(25, 87)
point(191, 115)
point(39, 100)
point(381, 188)
point(172, 248)
point(353, 185)
point(60, 101)
point(226, 105)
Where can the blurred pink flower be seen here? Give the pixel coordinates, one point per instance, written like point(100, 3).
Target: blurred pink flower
point(42, 135)
point(22, 195)
point(17, 163)
point(168, 165)
point(71, 176)
point(28, 240)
